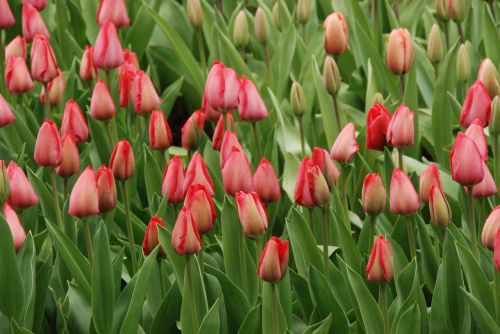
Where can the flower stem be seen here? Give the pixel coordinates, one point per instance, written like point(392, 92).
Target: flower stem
point(311, 222)
point(382, 302)
point(411, 238)
point(461, 32)
point(336, 108)
point(326, 230)
point(343, 189)
point(274, 289)
point(372, 220)
point(243, 262)
point(130, 230)
point(267, 59)
point(447, 34)
point(55, 197)
point(47, 104)
point(160, 275)
point(65, 184)
point(400, 158)
point(496, 288)
point(302, 137)
point(402, 86)
point(472, 223)
point(88, 240)
point(257, 140)
point(191, 292)
point(492, 7)
point(201, 49)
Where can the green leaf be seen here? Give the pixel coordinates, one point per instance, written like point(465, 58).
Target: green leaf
point(491, 37)
point(253, 322)
point(194, 299)
point(170, 95)
point(267, 306)
point(429, 259)
point(410, 321)
point(166, 317)
point(152, 177)
point(46, 200)
point(483, 319)
point(211, 322)
point(27, 265)
point(282, 60)
point(176, 261)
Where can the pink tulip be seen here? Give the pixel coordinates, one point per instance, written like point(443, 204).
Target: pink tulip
point(108, 49)
point(114, 10)
point(429, 178)
point(322, 159)
point(345, 146)
point(16, 47)
point(48, 148)
point(143, 93)
point(486, 187)
point(403, 197)
point(74, 122)
point(44, 67)
point(236, 173)
point(173, 181)
point(88, 70)
point(6, 115)
point(15, 226)
point(311, 188)
point(127, 76)
point(200, 204)
point(6, 17)
point(151, 236)
point(38, 4)
point(222, 88)
point(160, 137)
point(122, 161)
point(71, 157)
point(185, 237)
point(377, 122)
point(252, 214)
point(193, 130)
point(56, 90)
point(399, 51)
point(106, 187)
point(22, 195)
point(336, 34)
point(102, 106)
point(466, 163)
point(475, 132)
point(32, 23)
point(130, 57)
point(490, 228)
point(84, 198)
point(265, 182)
point(17, 76)
point(219, 129)
point(197, 173)
point(496, 252)
point(373, 198)
point(400, 132)
point(477, 104)
point(381, 263)
point(273, 262)
point(251, 107)
point(229, 142)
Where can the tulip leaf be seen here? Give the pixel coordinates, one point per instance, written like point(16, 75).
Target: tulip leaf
point(483, 319)
point(253, 321)
point(167, 314)
point(176, 261)
point(410, 321)
point(194, 300)
point(429, 259)
point(211, 321)
point(491, 36)
point(267, 304)
point(322, 327)
point(44, 195)
point(152, 177)
point(27, 265)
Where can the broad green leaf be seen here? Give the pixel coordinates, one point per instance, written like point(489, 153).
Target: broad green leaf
point(194, 300)
point(176, 261)
point(27, 265)
point(321, 327)
point(253, 321)
point(491, 36)
point(211, 321)
point(168, 313)
point(410, 321)
point(483, 319)
point(267, 307)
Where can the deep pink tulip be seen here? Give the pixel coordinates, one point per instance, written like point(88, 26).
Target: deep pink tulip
point(84, 198)
point(38, 4)
point(220, 128)
point(88, 70)
point(400, 132)
point(429, 178)
point(477, 104)
point(56, 90)
point(48, 148)
point(16, 47)
point(74, 122)
point(192, 131)
point(71, 157)
point(265, 182)
point(151, 236)
point(496, 252)
point(102, 106)
point(32, 23)
point(6, 115)
point(173, 181)
point(143, 93)
point(197, 173)
point(185, 236)
point(127, 76)
point(22, 195)
point(17, 76)
point(160, 137)
point(251, 107)
point(229, 142)
point(466, 163)
point(6, 17)
point(44, 67)
point(377, 122)
point(222, 88)
point(15, 226)
point(122, 161)
point(487, 186)
point(381, 263)
point(311, 188)
point(252, 214)
point(345, 146)
point(106, 187)
point(403, 197)
point(475, 132)
point(108, 49)
point(373, 197)
point(399, 51)
point(336, 34)
point(114, 10)
point(236, 173)
point(212, 114)
point(322, 159)
point(490, 228)
point(273, 262)
point(200, 204)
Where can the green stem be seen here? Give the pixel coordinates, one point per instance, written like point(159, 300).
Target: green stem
point(472, 223)
point(343, 189)
point(302, 137)
point(461, 32)
point(243, 262)
point(88, 240)
point(311, 222)
point(267, 59)
point(258, 253)
point(372, 220)
point(160, 275)
point(55, 197)
point(396, 10)
point(402, 86)
point(194, 313)
point(447, 34)
point(303, 32)
point(65, 183)
point(257, 140)
point(411, 238)
point(2, 62)
point(201, 256)
point(108, 80)
point(326, 231)
point(400, 158)
point(130, 230)
point(47, 104)
point(201, 49)
point(382, 302)
point(336, 108)
point(496, 288)
point(436, 70)
point(274, 289)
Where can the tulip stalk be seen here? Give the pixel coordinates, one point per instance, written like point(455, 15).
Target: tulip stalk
point(382, 302)
point(493, 14)
point(47, 104)
point(274, 288)
point(55, 197)
point(194, 314)
point(460, 32)
point(161, 279)
point(311, 222)
point(243, 262)
point(411, 237)
point(400, 158)
point(267, 59)
point(88, 240)
point(336, 107)
point(372, 220)
point(257, 140)
point(402, 86)
point(472, 227)
point(201, 49)
point(496, 288)
point(343, 195)
point(325, 241)
point(130, 230)
point(302, 137)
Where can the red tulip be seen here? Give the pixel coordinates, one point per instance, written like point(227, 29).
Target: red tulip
point(496, 252)
point(466, 161)
point(185, 237)
point(322, 159)
point(197, 173)
point(17, 76)
point(38, 4)
point(102, 106)
point(48, 149)
point(487, 186)
point(6, 115)
point(43, 62)
point(16, 47)
point(251, 107)
point(336, 34)
point(56, 90)
point(477, 104)
point(122, 161)
point(114, 10)
point(15, 226)
point(236, 173)
point(229, 142)
point(130, 57)
point(151, 236)
point(377, 122)
point(311, 188)
point(127, 76)
point(429, 178)
point(381, 263)
point(71, 157)
point(222, 87)
point(160, 137)
point(22, 195)
point(400, 132)
point(84, 198)
point(108, 49)
point(475, 132)
point(200, 204)
point(219, 130)
point(6, 17)
point(143, 93)
point(193, 130)
point(274, 260)
point(345, 146)
point(32, 23)
point(438, 207)
point(399, 51)
point(373, 195)
point(88, 70)
point(265, 182)
point(490, 228)
point(74, 122)
point(252, 214)
point(173, 181)
point(403, 197)
point(106, 187)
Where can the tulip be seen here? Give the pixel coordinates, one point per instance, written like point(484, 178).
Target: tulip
point(222, 88)
point(122, 161)
point(311, 188)
point(38, 4)
point(331, 76)
point(252, 214)
point(399, 51)
point(251, 108)
point(32, 23)
point(17, 76)
point(84, 198)
point(22, 195)
point(400, 131)
point(151, 236)
point(261, 26)
point(240, 30)
point(265, 182)
point(212, 114)
point(373, 195)
point(115, 11)
point(88, 70)
point(15, 226)
point(274, 260)
point(197, 173)
point(486, 187)
point(48, 148)
point(106, 186)
point(442, 10)
point(463, 64)
point(127, 77)
point(200, 204)
point(143, 94)
point(495, 117)
point(475, 132)
point(380, 266)
point(466, 163)
point(56, 90)
point(321, 158)
point(16, 47)
point(336, 34)
point(236, 173)
point(438, 207)
point(403, 197)
point(219, 130)
point(496, 253)
point(435, 45)
point(193, 130)
point(130, 57)
point(108, 49)
point(102, 106)
point(6, 115)
point(458, 9)
point(4, 182)
point(488, 75)
point(345, 146)
point(160, 137)
point(71, 157)
point(43, 62)
point(74, 122)
point(490, 228)
point(229, 142)
point(297, 99)
point(477, 104)
point(429, 178)
point(303, 11)
point(6, 17)
point(377, 122)
point(276, 16)
point(194, 13)
point(173, 181)
point(185, 237)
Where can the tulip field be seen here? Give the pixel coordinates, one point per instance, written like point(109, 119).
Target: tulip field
point(249, 166)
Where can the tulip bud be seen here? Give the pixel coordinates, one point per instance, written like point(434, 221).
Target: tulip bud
point(151, 236)
point(303, 11)
point(211, 114)
point(173, 181)
point(438, 207)
point(435, 45)
point(71, 157)
point(399, 51)
point(84, 198)
point(43, 62)
point(377, 122)
point(88, 70)
point(38, 4)
point(495, 116)
point(252, 214)
point(240, 30)
point(331, 76)
point(22, 195)
point(108, 49)
point(56, 90)
point(130, 57)
point(321, 158)
point(6, 17)
point(222, 88)
point(106, 187)
point(122, 161)
point(400, 132)
point(442, 10)
point(336, 34)
point(192, 131)
point(297, 99)
point(490, 228)
point(477, 104)
point(32, 23)
point(261, 26)
point(496, 252)
point(15, 226)
point(16, 47)
point(345, 146)
point(486, 187)
point(114, 10)
point(143, 93)
point(380, 266)
point(311, 188)
point(127, 78)
point(458, 10)
point(185, 237)
point(236, 173)
point(276, 15)
point(373, 195)
point(229, 142)
point(475, 132)
point(194, 13)
point(488, 75)
point(48, 149)
point(251, 107)
point(265, 182)
point(74, 122)
point(463, 64)
point(102, 106)
point(4, 182)
point(403, 197)
point(160, 137)
point(219, 130)
point(274, 260)
point(428, 178)
point(197, 173)
point(17, 76)
point(6, 115)
point(466, 163)
point(200, 204)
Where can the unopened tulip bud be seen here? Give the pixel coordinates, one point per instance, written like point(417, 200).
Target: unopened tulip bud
point(22, 195)
point(442, 10)
point(173, 181)
point(185, 237)
point(108, 49)
point(236, 173)
point(240, 30)
point(373, 195)
point(495, 116)
point(303, 11)
point(336, 34)
point(477, 104)
point(251, 107)
point(151, 236)
point(261, 26)
point(160, 137)
point(219, 130)
point(48, 148)
point(377, 122)
point(127, 78)
point(322, 159)
point(475, 132)
point(311, 188)
point(192, 131)
point(71, 157)
point(106, 186)
point(88, 70)
point(488, 75)
point(273, 262)
point(122, 161)
point(56, 91)
point(463, 64)
point(84, 198)
point(403, 197)
point(200, 204)
point(400, 132)
point(276, 16)
point(17, 77)
point(4, 182)
point(297, 99)
point(252, 214)
point(487, 186)
point(15, 226)
point(32, 23)
point(6, 115)
point(435, 45)
point(496, 253)
point(38, 4)
point(490, 228)
point(265, 182)
point(197, 173)
point(466, 163)
point(16, 47)
point(114, 10)
point(331, 76)
point(438, 207)
point(428, 178)
point(44, 67)
point(6, 17)
point(143, 93)
point(211, 114)
point(380, 266)
point(345, 146)
point(74, 122)
point(229, 143)
point(194, 13)
point(102, 106)
point(222, 88)
point(400, 51)
point(458, 10)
